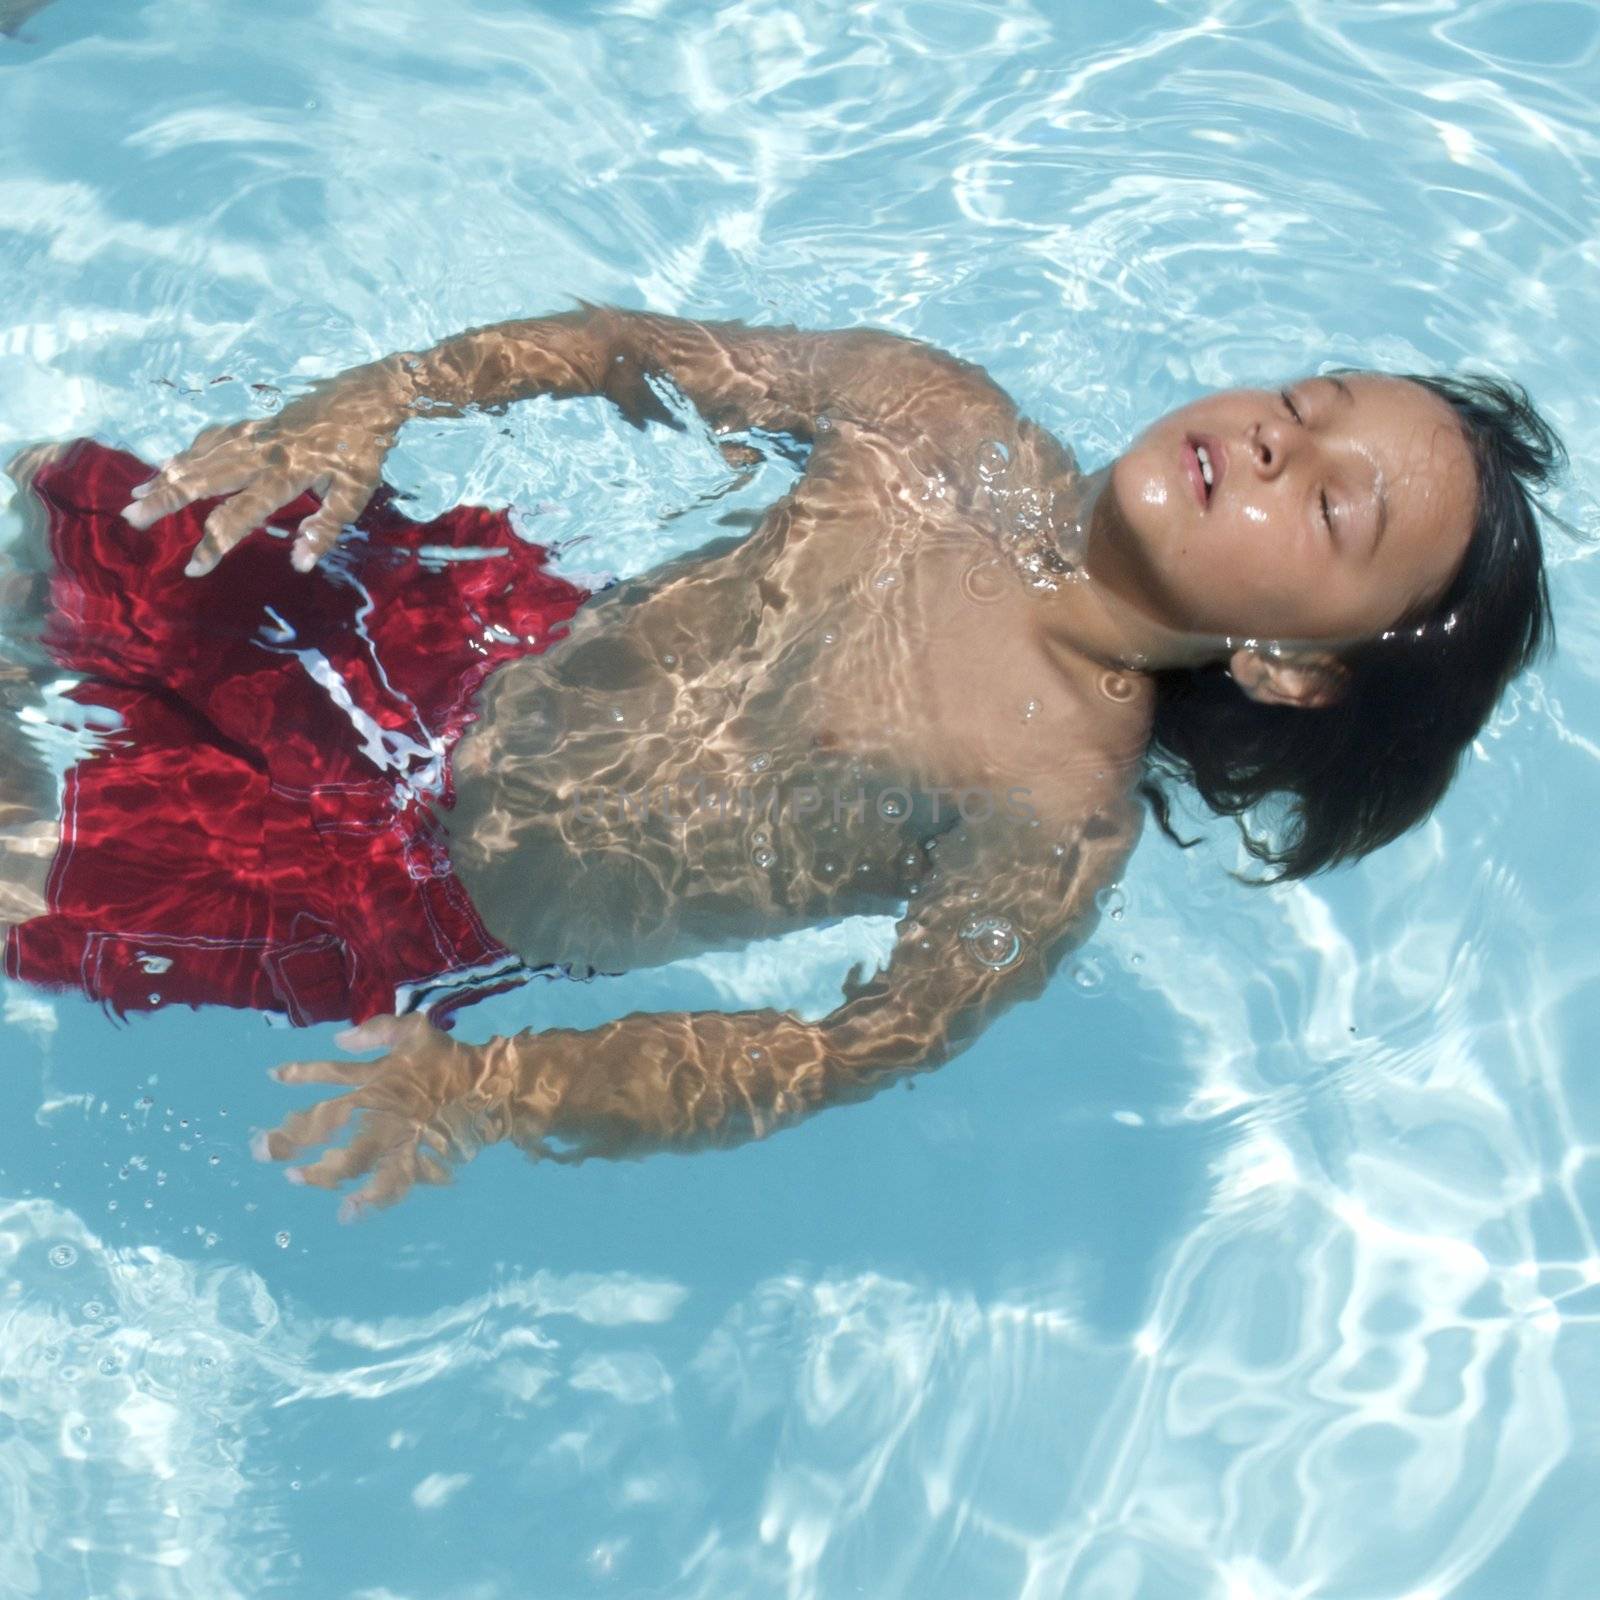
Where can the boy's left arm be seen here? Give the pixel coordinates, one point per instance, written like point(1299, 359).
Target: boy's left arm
point(988, 934)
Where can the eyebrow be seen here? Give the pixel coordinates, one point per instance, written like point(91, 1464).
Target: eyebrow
point(1377, 482)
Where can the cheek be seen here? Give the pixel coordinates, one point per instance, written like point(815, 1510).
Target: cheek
point(1143, 493)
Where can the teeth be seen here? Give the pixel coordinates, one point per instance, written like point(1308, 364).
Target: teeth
point(1205, 463)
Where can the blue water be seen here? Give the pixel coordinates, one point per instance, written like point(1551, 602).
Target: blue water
point(1256, 1260)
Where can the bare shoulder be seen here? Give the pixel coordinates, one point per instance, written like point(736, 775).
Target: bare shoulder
point(918, 392)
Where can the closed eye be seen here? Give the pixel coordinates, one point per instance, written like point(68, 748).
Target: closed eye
point(1327, 512)
point(1293, 409)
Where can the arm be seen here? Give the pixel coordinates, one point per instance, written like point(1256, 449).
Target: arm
point(692, 1080)
point(779, 379)
point(333, 441)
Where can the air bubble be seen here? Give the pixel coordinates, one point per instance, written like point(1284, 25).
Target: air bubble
point(62, 1255)
point(1111, 902)
point(993, 941)
point(281, 1240)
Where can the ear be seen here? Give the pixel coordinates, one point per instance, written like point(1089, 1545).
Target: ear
point(1307, 679)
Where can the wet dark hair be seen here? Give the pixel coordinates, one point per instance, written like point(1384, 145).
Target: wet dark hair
point(1346, 778)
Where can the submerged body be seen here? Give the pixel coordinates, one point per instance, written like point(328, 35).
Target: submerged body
point(789, 730)
point(925, 683)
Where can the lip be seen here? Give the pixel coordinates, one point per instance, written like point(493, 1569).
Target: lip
point(1191, 462)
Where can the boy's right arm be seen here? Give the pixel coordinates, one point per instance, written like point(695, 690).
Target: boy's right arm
point(333, 440)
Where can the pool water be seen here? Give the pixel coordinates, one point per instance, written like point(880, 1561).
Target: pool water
point(1256, 1260)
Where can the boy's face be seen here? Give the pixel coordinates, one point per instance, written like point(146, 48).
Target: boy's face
point(1334, 507)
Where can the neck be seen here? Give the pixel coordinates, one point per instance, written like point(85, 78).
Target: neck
point(1095, 618)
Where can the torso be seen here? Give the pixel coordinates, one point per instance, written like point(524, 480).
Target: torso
point(866, 668)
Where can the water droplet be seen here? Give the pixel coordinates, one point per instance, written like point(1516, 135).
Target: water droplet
point(822, 425)
point(1087, 975)
point(891, 806)
point(1030, 709)
point(830, 638)
point(214, 1161)
point(62, 1255)
point(93, 1310)
point(760, 763)
point(764, 858)
point(828, 867)
point(281, 1240)
point(994, 943)
point(669, 660)
point(616, 714)
point(760, 838)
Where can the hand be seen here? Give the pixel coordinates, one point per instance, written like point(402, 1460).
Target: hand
point(430, 1102)
point(332, 442)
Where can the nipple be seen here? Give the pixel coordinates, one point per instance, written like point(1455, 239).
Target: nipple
point(984, 582)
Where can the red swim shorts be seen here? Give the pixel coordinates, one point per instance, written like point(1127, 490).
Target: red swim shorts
point(257, 829)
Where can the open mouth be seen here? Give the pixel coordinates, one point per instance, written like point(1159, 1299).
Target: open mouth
point(1204, 460)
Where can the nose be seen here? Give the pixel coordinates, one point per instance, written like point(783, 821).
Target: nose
point(1272, 443)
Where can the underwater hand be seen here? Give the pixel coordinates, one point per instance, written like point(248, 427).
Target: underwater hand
point(332, 442)
point(428, 1104)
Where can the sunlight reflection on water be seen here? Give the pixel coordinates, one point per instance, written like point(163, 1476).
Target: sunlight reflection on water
point(1266, 1269)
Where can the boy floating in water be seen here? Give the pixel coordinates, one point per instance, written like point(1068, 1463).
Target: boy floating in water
point(933, 679)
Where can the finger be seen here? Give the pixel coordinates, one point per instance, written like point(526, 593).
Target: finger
point(376, 1033)
point(300, 1129)
point(392, 1180)
point(174, 467)
point(236, 519)
point(175, 488)
point(380, 1132)
point(320, 531)
point(350, 1072)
